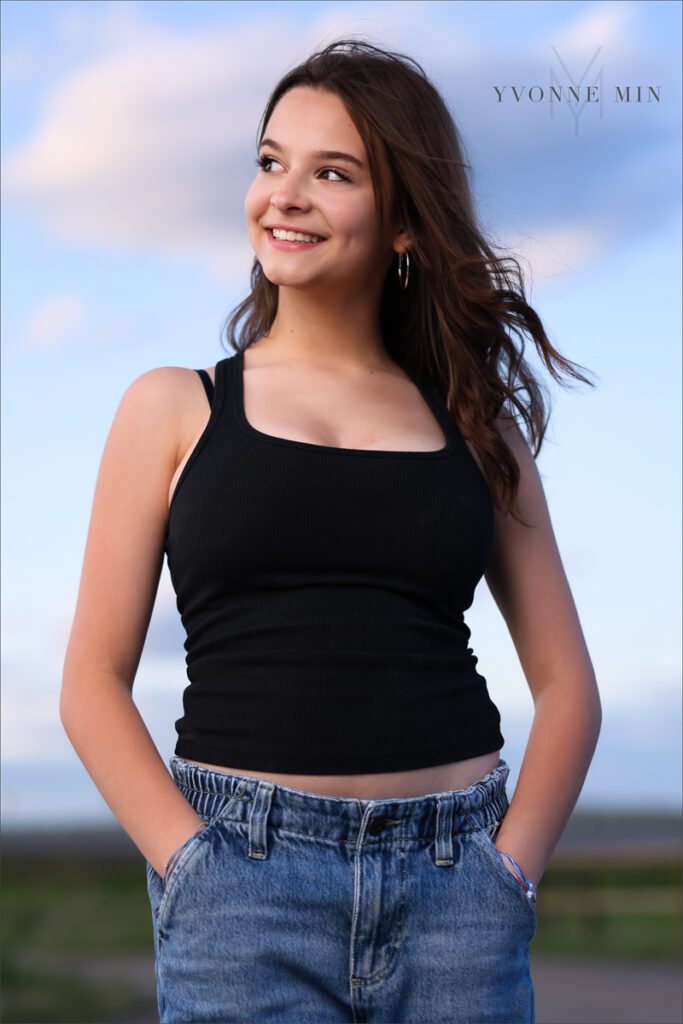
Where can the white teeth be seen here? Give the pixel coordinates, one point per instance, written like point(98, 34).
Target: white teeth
point(294, 236)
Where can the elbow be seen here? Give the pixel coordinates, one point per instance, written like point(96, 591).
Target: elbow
point(82, 691)
point(592, 709)
point(65, 706)
point(70, 698)
point(596, 703)
point(572, 691)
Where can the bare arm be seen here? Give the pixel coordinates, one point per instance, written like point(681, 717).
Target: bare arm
point(527, 580)
point(118, 586)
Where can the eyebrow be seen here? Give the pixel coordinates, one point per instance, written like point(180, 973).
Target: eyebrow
point(323, 154)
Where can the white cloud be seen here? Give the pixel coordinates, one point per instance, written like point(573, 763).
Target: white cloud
point(604, 25)
point(65, 321)
point(418, 28)
point(95, 24)
point(31, 726)
point(54, 321)
point(560, 250)
point(150, 144)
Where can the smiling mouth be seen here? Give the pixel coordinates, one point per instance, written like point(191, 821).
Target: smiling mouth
point(292, 246)
point(316, 239)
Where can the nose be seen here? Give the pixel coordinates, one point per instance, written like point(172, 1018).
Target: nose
point(290, 194)
point(288, 200)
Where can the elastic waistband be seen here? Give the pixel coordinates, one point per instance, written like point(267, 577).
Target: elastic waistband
point(344, 819)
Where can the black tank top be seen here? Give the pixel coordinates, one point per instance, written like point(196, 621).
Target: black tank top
point(322, 592)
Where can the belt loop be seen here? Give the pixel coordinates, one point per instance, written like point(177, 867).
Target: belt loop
point(228, 800)
point(258, 820)
point(443, 855)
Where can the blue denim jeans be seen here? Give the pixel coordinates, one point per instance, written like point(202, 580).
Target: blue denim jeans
point(296, 908)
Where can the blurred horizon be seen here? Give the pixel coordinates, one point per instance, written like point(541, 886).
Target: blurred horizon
point(607, 832)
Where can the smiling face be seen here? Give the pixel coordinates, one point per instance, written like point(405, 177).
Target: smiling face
point(324, 195)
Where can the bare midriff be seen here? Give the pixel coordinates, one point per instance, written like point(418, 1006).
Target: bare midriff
point(417, 782)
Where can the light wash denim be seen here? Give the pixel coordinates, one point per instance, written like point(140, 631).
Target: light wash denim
point(297, 908)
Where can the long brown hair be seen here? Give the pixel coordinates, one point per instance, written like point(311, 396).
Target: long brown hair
point(452, 327)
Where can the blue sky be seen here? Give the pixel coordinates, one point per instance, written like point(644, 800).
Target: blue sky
point(128, 133)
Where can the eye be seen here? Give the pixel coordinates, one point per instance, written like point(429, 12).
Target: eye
point(262, 161)
point(333, 170)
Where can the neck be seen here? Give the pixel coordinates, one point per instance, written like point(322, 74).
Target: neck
point(336, 333)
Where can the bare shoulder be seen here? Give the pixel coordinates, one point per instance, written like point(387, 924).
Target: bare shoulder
point(162, 386)
point(166, 383)
point(180, 380)
point(509, 430)
point(170, 399)
point(531, 500)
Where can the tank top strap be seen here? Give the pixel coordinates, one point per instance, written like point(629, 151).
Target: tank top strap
point(208, 384)
point(439, 407)
point(223, 402)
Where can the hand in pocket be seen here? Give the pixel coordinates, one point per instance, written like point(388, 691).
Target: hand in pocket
point(176, 855)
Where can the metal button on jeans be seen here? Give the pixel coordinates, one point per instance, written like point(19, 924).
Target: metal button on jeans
point(377, 825)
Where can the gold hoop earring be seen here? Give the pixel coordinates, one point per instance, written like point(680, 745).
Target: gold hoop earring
point(403, 260)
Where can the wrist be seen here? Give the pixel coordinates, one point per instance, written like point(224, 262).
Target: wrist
point(177, 853)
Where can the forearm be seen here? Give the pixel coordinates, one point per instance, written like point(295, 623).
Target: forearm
point(561, 745)
point(111, 739)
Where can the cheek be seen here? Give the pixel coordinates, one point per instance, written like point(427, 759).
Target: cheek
point(356, 219)
point(254, 202)
point(360, 235)
point(353, 224)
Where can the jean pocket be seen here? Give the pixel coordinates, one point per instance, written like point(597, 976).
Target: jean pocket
point(177, 855)
point(187, 853)
point(485, 838)
point(180, 858)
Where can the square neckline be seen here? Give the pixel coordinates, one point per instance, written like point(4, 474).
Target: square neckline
point(442, 418)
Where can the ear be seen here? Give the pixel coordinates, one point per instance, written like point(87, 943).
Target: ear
point(402, 241)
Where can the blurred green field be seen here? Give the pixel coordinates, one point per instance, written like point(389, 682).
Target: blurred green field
point(92, 907)
point(57, 906)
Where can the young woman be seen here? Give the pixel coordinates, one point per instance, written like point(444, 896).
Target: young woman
point(335, 842)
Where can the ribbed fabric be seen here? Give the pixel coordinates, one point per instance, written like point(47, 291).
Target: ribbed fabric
point(322, 591)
